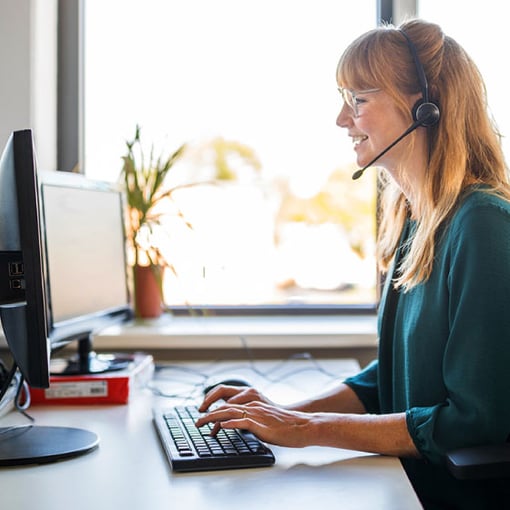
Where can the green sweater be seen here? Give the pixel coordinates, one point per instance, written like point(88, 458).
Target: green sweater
point(444, 352)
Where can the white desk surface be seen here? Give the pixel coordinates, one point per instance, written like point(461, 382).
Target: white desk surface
point(129, 471)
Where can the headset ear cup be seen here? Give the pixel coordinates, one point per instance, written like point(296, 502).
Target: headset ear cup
point(414, 111)
point(425, 113)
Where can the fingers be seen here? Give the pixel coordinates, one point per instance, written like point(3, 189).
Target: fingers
point(232, 395)
point(223, 416)
point(220, 392)
point(271, 424)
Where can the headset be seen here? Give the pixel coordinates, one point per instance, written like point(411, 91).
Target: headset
point(425, 113)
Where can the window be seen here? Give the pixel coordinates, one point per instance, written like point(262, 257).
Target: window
point(257, 78)
point(482, 31)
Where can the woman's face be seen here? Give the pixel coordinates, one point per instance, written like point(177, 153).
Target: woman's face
point(373, 121)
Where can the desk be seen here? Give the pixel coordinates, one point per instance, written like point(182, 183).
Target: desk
point(129, 471)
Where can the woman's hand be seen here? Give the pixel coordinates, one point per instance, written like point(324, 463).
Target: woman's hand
point(384, 434)
point(269, 423)
point(232, 395)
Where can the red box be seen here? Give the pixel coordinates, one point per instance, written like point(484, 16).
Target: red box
point(106, 388)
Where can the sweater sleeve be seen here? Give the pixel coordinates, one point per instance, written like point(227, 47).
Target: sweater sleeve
point(476, 360)
point(365, 386)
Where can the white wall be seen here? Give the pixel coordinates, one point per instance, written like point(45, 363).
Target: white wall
point(28, 74)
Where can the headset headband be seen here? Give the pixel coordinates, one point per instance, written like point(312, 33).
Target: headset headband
point(419, 67)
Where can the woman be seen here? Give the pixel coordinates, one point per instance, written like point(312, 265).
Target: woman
point(440, 381)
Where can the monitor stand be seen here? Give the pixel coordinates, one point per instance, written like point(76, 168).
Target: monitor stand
point(30, 444)
point(86, 361)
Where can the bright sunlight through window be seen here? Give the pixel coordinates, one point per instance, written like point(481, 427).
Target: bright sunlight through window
point(482, 30)
point(278, 220)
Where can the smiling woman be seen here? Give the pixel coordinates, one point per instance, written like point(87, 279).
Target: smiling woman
point(296, 232)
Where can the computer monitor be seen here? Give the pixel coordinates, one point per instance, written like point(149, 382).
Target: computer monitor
point(48, 228)
point(85, 267)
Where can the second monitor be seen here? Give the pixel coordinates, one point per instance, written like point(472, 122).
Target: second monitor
point(84, 244)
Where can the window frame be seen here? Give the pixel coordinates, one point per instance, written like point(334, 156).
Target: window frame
point(70, 132)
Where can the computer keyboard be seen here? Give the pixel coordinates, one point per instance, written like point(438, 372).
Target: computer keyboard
point(189, 448)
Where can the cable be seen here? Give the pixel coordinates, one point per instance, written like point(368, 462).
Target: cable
point(302, 355)
point(274, 375)
point(161, 372)
point(22, 399)
point(3, 372)
point(22, 390)
point(8, 378)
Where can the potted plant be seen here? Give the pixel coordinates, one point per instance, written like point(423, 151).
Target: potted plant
point(146, 190)
point(146, 186)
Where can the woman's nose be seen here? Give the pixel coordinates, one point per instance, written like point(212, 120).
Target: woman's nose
point(344, 117)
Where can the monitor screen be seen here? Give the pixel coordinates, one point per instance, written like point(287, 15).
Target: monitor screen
point(84, 247)
point(84, 251)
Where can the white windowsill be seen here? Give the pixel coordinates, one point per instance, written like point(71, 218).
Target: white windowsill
point(170, 332)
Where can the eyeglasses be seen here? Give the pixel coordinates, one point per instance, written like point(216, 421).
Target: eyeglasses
point(351, 98)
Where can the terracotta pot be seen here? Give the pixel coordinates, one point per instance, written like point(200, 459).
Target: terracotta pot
point(148, 299)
